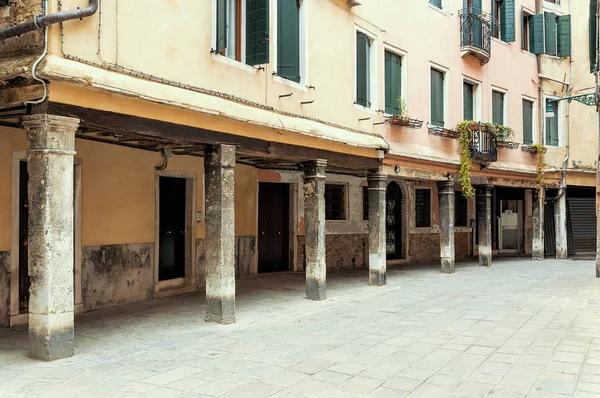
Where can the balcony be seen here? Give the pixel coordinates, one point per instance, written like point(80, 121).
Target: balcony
point(476, 29)
point(484, 148)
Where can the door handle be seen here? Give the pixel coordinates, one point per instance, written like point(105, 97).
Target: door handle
point(262, 233)
point(278, 232)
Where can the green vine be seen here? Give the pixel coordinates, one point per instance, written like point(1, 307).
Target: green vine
point(538, 149)
point(464, 174)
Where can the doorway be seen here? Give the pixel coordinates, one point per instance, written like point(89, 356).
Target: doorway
point(393, 221)
point(273, 227)
point(171, 252)
point(24, 281)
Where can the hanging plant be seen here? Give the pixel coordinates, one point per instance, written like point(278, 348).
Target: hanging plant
point(538, 149)
point(464, 174)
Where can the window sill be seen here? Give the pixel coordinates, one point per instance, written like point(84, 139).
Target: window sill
point(463, 229)
point(553, 7)
point(440, 10)
point(365, 109)
point(500, 41)
point(337, 221)
point(529, 53)
point(232, 62)
point(554, 57)
point(297, 86)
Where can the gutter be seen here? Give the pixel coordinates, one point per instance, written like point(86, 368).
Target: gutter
point(40, 22)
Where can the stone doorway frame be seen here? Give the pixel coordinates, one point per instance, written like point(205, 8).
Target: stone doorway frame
point(188, 282)
point(17, 318)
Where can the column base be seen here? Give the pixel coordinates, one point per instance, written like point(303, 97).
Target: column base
point(50, 345)
point(315, 289)
point(537, 257)
point(377, 277)
point(220, 310)
point(448, 266)
point(562, 254)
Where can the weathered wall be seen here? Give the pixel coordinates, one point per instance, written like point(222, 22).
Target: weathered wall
point(117, 274)
point(18, 12)
point(4, 288)
point(342, 251)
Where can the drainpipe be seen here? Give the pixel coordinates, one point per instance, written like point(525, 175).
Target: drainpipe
point(39, 22)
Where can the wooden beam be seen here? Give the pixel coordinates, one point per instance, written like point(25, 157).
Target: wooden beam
point(334, 159)
point(11, 97)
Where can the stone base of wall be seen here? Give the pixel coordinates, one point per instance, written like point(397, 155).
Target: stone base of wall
point(342, 251)
point(426, 246)
point(4, 289)
point(462, 245)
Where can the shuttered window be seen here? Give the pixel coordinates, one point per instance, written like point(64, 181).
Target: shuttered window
point(363, 49)
point(524, 31)
point(422, 208)
point(437, 98)
point(468, 112)
point(507, 21)
point(498, 107)
point(257, 32)
point(288, 40)
point(550, 32)
point(393, 85)
point(437, 3)
point(552, 124)
point(527, 122)
point(335, 202)
point(221, 26)
point(536, 34)
point(563, 32)
point(593, 27)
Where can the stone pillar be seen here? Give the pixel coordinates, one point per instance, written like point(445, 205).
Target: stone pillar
point(560, 225)
point(314, 225)
point(537, 251)
point(484, 221)
point(51, 235)
point(528, 221)
point(446, 211)
point(377, 254)
point(219, 169)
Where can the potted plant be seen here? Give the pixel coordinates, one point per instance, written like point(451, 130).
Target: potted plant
point(402, 118)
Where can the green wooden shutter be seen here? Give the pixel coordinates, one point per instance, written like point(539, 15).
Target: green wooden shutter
point(497, 107)
point(467, 101)
point(527, 122)
point(393, 85)
point(593, 26)
point(552, 125)
point(221, 43)
point(550, 29)
point(477, 26)
point(437, 3)
point(288, 40)
point(257, 32)
point(536, 34)
point(362, 69)
point(507, 20)
point(437, 98)
point(564, 36)
point(523, 22)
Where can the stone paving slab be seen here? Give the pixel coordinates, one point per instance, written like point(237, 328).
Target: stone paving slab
point(518, 329)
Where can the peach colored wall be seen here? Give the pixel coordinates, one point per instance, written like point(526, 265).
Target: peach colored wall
point(412, 26)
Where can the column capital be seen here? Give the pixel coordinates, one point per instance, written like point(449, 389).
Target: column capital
point(50, 134)
point(314, 168)
point(484, 190)
point(43, 120)
point(445, 187)
point(222, 155)
point(377, 175)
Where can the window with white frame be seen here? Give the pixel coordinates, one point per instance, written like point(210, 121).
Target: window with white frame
point(553, 122)
point(438, 98)
point(366, 70)
point(395, 101)
point(471, 100)
point(499, 107)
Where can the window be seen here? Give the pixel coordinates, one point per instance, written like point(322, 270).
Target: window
point(498, 107)
point(365, 194)
point(536, 34)
point(527, 122)
point(422, 208)
point(363, 69)
point(437, 98)
point(231, 17)
point(557, 34)
point(335, 202)
point(468, 102)
point(461, 210)
point(437, 3)
point(525, 21)
point(393, 84)
point(288, 39)
point(552, 123)
point(503, 11)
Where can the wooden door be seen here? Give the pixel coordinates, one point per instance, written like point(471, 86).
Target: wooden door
point(273, 227)
point(393, 221)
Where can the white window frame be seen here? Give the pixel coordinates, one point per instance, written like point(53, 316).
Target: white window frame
point(443, 10)
point(505, 105)
point(446, 72)
point(229, 59)
point(373, 70)
point(403, 72)
point(303, 44)
point(535, 137)
point(476, 98)
point(561, 121)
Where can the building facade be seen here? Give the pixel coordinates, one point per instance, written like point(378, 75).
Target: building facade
point(156, 149)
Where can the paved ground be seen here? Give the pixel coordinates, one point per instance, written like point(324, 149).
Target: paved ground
point(520, 328)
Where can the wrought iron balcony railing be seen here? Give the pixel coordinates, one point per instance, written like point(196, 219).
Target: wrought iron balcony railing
point(476, 30)
point(484, 146)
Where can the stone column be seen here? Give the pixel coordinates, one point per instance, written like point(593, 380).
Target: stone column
point(446, 211)
point(537, 251)
point(484, 221)
point(51, 235)
point(560, 227)
point(314, 225)
point(219, 169)
point(377, 254)
point(528, 221)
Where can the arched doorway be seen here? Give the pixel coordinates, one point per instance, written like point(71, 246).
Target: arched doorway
point(393, 221)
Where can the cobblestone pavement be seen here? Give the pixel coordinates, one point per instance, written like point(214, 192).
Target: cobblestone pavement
point(520, 328)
